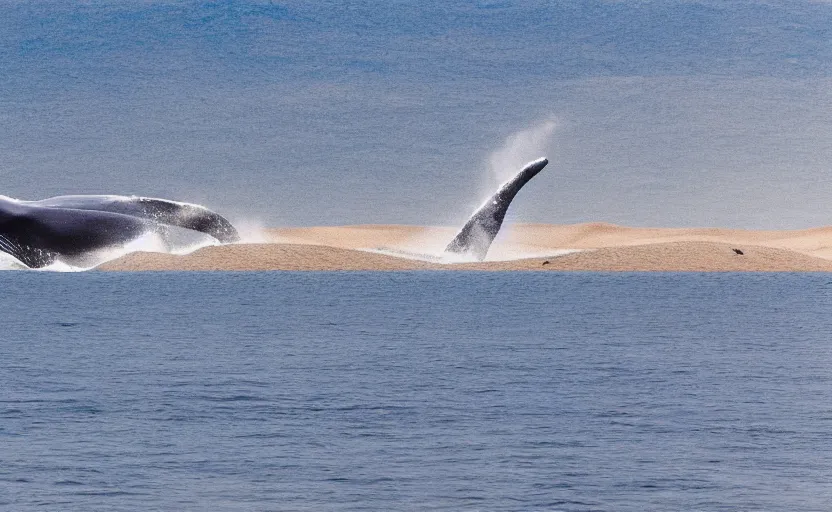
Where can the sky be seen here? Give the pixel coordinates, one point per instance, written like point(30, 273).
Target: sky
point(652, 113)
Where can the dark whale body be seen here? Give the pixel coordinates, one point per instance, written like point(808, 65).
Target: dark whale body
point(476, 235)
point(38, 233)
point(173, 213)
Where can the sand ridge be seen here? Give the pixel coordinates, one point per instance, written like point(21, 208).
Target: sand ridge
point(602, 247)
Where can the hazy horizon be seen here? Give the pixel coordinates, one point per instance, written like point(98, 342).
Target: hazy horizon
point(651, 113)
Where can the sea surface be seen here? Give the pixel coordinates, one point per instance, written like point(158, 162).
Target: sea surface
point(326, 112)
point(415, 391)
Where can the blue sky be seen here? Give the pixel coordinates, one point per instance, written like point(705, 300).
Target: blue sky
point(309, 113)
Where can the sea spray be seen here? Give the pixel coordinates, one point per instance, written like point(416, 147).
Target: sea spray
point(520, 148)
point(252, 231)
point(502, 253)
point(170, 240)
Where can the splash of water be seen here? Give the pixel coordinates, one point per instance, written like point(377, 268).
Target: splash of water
point(520, 148)
point(252, 231)
point(177, 241)
point(451, 258)
point(171, 240)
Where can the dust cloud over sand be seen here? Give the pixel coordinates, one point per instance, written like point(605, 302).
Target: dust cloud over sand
point(593, 247)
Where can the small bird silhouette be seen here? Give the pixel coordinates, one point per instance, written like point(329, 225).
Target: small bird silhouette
point(738, 251)
point(546, 262)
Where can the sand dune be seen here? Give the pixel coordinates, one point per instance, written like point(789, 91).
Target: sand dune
point(596, 247)
point(812, 242)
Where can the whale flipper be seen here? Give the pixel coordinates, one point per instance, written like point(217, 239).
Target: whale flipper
point(476, 235)
point(174, 213)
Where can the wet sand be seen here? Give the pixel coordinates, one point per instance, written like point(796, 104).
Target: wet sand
point(591, 247)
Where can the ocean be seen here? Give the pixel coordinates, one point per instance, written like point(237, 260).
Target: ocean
point(415, 391)
point(306, 113)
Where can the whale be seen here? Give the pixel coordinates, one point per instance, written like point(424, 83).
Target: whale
point(66, 228)
point(476, 236)
point(164, 211)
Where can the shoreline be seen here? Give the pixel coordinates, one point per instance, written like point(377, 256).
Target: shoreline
point(521, 247)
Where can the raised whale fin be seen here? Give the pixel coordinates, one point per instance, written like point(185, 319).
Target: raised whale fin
point(476, 235)
point(174, 213)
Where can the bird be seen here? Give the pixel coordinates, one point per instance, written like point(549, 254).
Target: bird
point(738, 251)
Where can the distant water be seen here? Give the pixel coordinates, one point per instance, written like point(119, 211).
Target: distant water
point(325, 112)
point(415, 391)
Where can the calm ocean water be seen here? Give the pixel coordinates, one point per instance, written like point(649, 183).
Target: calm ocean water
point(415, 391)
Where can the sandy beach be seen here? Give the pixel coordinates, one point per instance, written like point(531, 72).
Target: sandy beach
point(588, 247)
